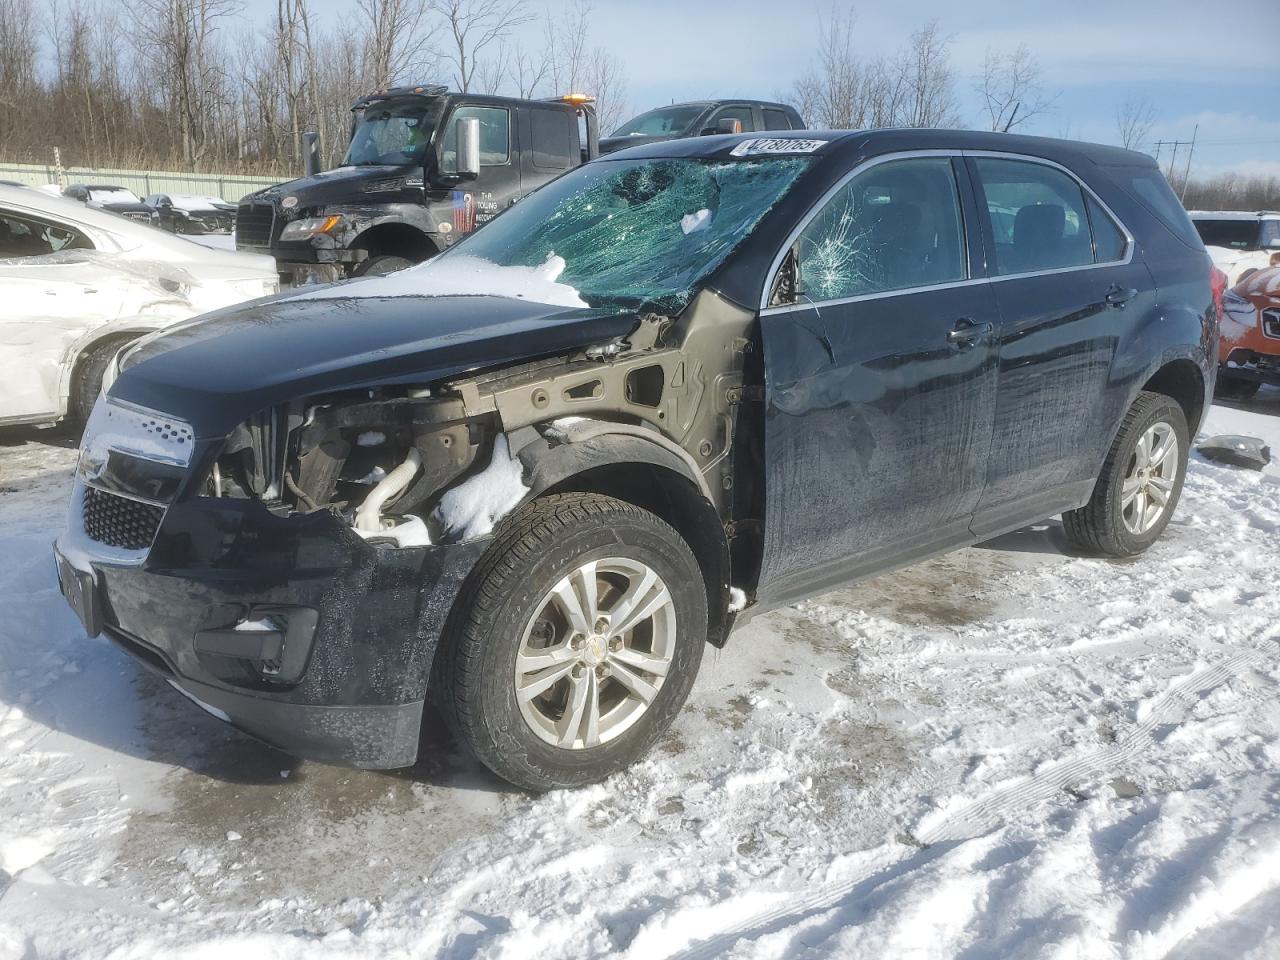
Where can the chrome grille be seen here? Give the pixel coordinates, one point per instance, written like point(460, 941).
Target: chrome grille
point(118, 521)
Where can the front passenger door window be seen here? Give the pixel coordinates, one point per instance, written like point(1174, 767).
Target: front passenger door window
point(896, 226)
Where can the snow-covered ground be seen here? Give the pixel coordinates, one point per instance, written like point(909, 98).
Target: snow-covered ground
point(1007, 752)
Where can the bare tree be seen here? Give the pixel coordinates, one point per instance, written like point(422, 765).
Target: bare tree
point(474, 26)
point(397, 40)
point(607, 82)
point(1011, 89)
point(567, 45)
point(925, 84)
point(832, 92)
point(528, 71)
point(1134, 121)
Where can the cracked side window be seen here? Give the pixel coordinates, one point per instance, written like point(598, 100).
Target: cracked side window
point(897, 225)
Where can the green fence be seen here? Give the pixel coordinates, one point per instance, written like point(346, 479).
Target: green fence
point(230, 187)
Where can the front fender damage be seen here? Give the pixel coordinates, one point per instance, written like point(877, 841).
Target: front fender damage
point(446, 462)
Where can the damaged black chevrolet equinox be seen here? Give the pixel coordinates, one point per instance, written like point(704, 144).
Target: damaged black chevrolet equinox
point(532, 478)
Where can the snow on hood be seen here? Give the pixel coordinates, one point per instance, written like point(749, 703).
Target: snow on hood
point(465, 276)
point(188, 202)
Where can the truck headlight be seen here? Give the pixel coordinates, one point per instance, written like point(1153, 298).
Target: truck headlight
point(311, 226)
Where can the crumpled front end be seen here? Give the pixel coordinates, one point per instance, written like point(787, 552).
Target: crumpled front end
point(1249, 343)
point(286, 623)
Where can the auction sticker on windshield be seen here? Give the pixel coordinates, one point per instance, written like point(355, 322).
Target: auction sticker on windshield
point(752, 148)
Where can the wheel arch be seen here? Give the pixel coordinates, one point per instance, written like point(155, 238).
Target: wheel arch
point(1182, 381)
point(647, 474)
point(396, 238)
point(79, 353)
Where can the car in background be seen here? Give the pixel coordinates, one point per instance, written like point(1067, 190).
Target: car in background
point(702, 118)
point(79, 283)
point(1249, 338)
point(1240, 243)
point(189, 214)
point(113, 199)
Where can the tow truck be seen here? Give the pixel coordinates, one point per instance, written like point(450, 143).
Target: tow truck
point(424, 168)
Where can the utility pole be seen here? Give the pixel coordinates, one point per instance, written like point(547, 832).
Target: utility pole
point(1186, 175)
point(1173, 157)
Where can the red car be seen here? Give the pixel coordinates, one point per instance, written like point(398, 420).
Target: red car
point(1249, 351)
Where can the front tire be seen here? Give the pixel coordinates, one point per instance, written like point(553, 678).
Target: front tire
point(380, 266)
point(574, 644)
point(1140, 483)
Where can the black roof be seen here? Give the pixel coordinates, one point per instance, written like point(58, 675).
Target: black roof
point(871, 142)
point(440, 90)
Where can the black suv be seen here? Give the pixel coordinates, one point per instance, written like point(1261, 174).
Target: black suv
point(113, 199)
point(702, 118)
point(685, 383)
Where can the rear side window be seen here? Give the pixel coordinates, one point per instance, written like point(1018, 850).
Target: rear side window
point(1150, 187)
point(1037, 215)
point(1109, 241)
point(553, 141)
point(892, 227)
point(23, 237)
point(776, 120)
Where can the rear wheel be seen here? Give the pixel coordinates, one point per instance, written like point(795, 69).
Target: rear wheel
point(1140, 482)
point(576, 643)
point(86, 383)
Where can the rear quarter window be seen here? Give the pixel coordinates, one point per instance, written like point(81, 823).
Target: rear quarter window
point(1149, 187)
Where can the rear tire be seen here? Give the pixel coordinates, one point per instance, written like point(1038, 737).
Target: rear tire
point(512, 630)
point(86, 383)
point(1140, 483)
point(1233, 388)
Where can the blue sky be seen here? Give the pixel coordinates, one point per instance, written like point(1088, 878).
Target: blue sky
point(1216, 64)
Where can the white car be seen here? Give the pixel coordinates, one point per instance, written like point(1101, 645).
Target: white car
point(1240, 243)
point(77, 284)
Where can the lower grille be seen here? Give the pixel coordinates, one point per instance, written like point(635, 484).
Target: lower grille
point(255, 225)
point(119, 521)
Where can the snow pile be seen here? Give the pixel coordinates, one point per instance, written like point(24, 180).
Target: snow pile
point(1009, 751)
point(465, 276)
point(471, 509)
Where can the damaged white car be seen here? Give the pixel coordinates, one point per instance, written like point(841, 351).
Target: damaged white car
point(78, 284)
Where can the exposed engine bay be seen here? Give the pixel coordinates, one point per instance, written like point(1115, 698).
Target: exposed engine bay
point(411, 466)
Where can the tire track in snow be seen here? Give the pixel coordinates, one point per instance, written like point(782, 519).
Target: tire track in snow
point(986, 814)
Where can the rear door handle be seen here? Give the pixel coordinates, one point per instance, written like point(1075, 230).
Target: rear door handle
point(1118, 296)
point(967, 332)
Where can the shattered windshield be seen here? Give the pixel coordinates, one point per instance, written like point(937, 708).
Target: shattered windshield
point(635, 232)
point(394, 133)
point(659, 123)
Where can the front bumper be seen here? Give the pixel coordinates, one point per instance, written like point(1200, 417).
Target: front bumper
point(350, 683)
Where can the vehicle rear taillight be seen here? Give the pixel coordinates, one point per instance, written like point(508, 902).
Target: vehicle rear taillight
point(1218, 284)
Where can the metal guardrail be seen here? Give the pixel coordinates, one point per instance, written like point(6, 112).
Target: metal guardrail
point(230, 187)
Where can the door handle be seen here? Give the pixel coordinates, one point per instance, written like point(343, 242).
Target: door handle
point(966, 332)
point(1118, 296)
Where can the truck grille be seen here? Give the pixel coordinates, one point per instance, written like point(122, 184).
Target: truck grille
point(118, 521)
point(255, 225)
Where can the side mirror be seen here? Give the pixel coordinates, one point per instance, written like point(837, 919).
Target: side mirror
point(468, 131)
point(725, 125)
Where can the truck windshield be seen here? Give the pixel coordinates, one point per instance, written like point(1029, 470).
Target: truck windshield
point(659, 123)
point(393, 133)
point(635, 232)
point(1234, 234)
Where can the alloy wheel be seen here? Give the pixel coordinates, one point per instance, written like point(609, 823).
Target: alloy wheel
point(1148, 484)
point(595, 653)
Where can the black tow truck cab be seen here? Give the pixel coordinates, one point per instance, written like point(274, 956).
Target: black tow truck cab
point(405, 190)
